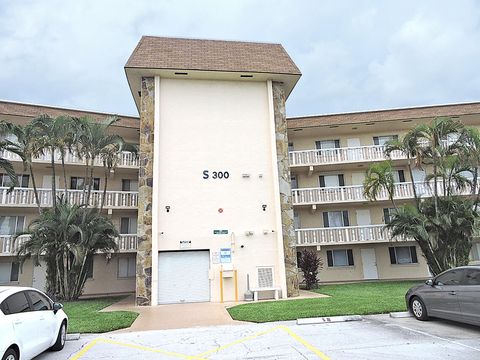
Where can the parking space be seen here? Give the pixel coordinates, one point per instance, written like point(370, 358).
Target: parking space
point(376, 337)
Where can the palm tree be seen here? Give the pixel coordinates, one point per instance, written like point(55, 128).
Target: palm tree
point(434, 138)
point(57, 135)
point(470, 156)
point(66, 237)
point(6, 165)
point(93, 141)
point(379, 177)
point(27, 147)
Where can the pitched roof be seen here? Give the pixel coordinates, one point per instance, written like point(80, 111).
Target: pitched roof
point(31, 110)
point(420, 112)
point(211, 55)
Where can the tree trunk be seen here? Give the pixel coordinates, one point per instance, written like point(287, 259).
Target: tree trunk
point(410, 171)
point(104, 187)
point(64, 175)
point(54, 186)
point(34, 183)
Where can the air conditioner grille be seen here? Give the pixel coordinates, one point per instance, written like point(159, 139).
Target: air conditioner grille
point(265, 277)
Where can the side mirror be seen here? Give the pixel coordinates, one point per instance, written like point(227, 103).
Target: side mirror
point(56, 307)
point(429, 282)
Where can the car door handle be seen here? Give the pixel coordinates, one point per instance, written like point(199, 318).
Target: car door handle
point(453, 293)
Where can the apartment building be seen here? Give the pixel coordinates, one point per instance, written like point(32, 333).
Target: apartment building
point(329, 156)
point(225, 185)
point(18, 208)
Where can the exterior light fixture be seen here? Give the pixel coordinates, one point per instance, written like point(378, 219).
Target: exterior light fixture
point(167, 208)
point(264, 207)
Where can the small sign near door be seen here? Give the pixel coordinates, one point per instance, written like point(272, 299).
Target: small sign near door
point(220, 232)
point(225, 255)
point(185, 244)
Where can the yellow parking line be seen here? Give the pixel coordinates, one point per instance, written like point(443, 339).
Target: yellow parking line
point(133, 346)
point(239, 341)
point(204, 355)
point(82, 352)
point(305, 343)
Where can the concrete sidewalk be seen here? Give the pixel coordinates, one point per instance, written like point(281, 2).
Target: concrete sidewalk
point(180, 316)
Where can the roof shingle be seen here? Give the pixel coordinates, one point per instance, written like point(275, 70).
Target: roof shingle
point(211, 55)
point(384, 115)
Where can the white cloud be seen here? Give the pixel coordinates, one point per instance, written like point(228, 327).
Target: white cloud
point(353, 54)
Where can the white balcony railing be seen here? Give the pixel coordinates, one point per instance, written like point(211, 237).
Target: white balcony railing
point(126, 159)
point(25, 197)
point(339, 194)
point(343, 235)
point(9, 247)
point(342, 155)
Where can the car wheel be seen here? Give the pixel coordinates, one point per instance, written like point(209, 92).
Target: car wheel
point(10, 354)
point(418, 309)
point(61, 337)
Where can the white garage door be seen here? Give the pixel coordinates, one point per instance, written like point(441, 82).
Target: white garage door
point(183, 277)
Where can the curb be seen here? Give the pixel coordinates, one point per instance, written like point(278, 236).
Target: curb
point(73, 337)
point(326, 320)
point(400, 314)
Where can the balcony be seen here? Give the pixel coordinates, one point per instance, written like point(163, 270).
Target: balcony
point(352, 194)
point(343, 235)
point(25, 197)
point(126, 243)
point(348, 155)
point(126, 159)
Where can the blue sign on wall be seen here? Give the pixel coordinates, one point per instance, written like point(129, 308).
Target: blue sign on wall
point(225, 255)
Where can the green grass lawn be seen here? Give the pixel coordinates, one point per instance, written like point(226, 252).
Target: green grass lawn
point(83, 316)
point(345, 299)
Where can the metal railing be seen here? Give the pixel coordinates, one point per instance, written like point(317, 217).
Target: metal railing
point(342, 155)
point(125, 159)
point(25, 197)
point(9, 246)
point(343, 235)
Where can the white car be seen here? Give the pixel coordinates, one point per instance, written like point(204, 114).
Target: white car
point(30, 323)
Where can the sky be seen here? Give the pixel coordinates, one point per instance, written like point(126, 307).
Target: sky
point(354, 54)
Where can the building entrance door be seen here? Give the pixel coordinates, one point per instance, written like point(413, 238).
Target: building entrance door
point(369, 261)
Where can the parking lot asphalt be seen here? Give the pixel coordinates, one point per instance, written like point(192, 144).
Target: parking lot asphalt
point(375, 337)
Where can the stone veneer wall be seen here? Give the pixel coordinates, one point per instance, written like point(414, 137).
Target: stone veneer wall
point(288, 230)
point(145, 187)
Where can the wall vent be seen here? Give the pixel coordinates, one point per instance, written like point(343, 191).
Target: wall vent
point(265, 277)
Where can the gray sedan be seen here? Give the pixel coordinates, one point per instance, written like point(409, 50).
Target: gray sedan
point(452, 295)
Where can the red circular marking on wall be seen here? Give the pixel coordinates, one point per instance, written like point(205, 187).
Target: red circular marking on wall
point(220, 210)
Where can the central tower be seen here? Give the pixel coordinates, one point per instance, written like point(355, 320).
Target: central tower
point(214, 182)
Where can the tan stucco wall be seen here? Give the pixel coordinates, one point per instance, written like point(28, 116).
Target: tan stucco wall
point(218, 126)
point(386, 271)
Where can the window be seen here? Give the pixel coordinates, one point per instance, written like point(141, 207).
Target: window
point(39, 302)
point(403, 255)
point(129, 185)
point(294, 182)
point(9, 272)
point(10, 225)
point(331, 180)
point(340, 257)
point(296, 220)
point(126, 266)
point(327, 144)
point(475, 252)
point(16, 303)
point(398, 176)
point(89, 265)
point(472, 277)
point(22, 180)
point(128, 225)
point(335, 219)
point(452, 277)
point(387, 214)
point(382, 140)
point(78, 183)
point(290, 147)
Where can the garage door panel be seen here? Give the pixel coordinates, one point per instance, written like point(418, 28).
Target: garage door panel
point(183, 277)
